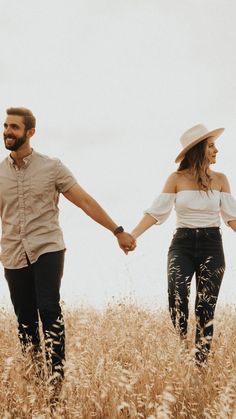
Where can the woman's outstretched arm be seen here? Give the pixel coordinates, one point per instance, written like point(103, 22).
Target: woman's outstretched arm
point(146, 222)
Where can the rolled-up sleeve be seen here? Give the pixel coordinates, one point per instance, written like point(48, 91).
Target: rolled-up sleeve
point(161, 207)
point(64, 178)
point(227, 207)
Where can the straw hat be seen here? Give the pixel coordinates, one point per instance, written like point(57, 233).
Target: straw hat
point(194, 136)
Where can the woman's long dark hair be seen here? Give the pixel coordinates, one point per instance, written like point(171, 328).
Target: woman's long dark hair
point(196, 160)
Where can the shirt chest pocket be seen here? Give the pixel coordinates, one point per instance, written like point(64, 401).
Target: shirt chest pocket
point(39, 190)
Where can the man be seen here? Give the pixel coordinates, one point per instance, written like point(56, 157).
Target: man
point(32, 241)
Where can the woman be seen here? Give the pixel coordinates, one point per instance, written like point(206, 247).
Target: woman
point(199, 195)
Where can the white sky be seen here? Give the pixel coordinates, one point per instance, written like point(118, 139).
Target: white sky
point(113, 85)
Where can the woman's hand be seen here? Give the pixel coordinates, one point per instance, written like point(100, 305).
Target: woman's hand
point(126, 242)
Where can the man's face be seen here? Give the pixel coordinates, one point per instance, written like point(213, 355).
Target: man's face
point(14, 133)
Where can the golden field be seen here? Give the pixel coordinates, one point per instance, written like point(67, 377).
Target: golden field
point(124, 362)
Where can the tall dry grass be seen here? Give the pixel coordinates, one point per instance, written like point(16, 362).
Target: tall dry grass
point(124, 362)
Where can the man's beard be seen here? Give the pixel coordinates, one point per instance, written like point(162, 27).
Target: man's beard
point(18, 142)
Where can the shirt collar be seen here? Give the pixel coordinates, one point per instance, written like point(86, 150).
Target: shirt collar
point(26, 159)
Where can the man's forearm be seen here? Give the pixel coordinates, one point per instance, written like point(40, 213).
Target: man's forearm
point(91, 207)
point(98, 214)
point(79, 197)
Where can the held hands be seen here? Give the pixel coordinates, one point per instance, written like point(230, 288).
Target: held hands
point(126, 242)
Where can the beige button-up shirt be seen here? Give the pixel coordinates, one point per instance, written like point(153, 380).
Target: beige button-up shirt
point(29, 208)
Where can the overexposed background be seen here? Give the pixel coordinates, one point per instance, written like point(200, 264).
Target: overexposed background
point(113, 85)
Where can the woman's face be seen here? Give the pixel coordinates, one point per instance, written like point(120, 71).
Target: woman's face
point(211, 150)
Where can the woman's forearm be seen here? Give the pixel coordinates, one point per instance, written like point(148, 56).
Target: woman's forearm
point(232, 224)
point(146, 222)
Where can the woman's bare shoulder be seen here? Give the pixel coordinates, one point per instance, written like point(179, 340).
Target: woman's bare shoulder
point(171, 183)
point(221, 180)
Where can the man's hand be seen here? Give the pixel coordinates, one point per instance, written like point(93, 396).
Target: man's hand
point(126, 242)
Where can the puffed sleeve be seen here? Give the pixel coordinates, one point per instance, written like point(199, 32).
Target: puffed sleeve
point(161, 207)
point(228, 207)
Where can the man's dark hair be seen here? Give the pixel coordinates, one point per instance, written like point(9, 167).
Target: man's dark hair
point(27, 115)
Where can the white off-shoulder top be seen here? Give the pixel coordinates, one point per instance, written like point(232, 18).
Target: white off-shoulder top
point(194, 208)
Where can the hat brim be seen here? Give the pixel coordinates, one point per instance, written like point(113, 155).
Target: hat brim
point(215, 134)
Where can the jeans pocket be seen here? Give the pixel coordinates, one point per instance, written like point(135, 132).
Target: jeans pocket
point(213, 236)
point(180, 234)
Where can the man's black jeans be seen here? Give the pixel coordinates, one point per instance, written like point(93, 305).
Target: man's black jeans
point(35, 292)
point(199, 251)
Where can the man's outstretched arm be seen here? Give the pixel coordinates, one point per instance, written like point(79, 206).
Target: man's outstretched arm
point(91, 207)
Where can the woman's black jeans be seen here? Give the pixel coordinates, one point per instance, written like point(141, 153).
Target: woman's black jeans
point(199, 251)
point(35, 291)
